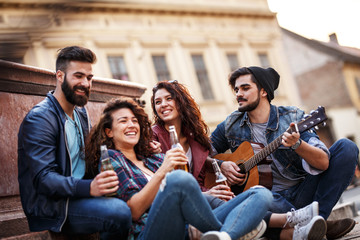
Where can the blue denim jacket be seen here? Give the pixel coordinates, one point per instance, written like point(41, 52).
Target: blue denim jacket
point(236, 129)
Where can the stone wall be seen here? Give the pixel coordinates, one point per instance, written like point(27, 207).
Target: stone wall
point(22, 87)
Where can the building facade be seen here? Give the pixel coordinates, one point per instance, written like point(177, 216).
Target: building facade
point(197, 42)
point(327, 74)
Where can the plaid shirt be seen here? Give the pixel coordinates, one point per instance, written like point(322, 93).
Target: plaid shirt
point(132, 180)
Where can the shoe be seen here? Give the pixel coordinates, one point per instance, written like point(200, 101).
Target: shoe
point(215, 235)
point(314, 230)
point(256, 233)
point(303, 215)
point(338, 228)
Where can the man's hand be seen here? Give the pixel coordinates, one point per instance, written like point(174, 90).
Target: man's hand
point(221, 191)
point(155, 146)
point(231, 172)
point(104, 183)
point(289, 139)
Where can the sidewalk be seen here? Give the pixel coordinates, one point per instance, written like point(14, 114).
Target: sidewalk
point(348, 207)
point(355, 233)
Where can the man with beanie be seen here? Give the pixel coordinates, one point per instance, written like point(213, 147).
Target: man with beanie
point(304, 170)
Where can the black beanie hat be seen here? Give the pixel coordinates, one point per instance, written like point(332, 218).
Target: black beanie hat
point(267, 78)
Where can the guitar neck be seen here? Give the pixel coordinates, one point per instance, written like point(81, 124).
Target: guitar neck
point(267, 150)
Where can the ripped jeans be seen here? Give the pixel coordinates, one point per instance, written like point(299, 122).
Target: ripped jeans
point(180, 202)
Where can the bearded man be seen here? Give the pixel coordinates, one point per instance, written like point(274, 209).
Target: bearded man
point(54, 194)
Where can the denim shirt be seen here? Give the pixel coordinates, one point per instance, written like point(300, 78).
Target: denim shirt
point(236, 129)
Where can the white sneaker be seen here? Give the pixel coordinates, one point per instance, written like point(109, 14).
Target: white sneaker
point(215, 235)
point(256, 233)
point(303, 215)
point(314, 230)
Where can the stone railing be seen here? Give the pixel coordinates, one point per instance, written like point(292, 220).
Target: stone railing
point(22, 87)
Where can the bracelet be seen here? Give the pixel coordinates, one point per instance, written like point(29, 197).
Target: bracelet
point(296, 145)
point(219, 162)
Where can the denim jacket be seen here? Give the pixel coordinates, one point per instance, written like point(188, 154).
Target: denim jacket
point(44, 165)
point(236, 129)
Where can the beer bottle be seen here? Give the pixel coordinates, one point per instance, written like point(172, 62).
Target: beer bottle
point(220, 178)
point(105, 160)
point(105, 163)
point(175, 143)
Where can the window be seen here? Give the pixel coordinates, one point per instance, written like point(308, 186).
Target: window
point(357, 82)
point(233, 61)
point(161, 68)
point(202, 76)
point(264, 60)
point(118, 68)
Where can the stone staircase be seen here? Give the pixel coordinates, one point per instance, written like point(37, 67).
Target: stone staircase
point(14, 226)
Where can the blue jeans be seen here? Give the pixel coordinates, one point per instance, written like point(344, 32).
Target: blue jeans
point(109, 216)
point(327, 187)
point(181, 202)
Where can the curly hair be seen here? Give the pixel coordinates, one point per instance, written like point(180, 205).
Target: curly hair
point(98, 137)
point(189, 111)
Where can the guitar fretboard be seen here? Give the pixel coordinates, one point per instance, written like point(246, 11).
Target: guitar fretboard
point(254, 160)
point(267, 150)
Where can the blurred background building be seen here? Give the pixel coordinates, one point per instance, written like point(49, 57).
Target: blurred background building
point(197, 42)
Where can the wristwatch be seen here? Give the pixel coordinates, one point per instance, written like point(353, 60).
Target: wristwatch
point(296, 145)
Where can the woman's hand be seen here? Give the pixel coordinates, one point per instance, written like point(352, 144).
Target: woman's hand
point(221, 191)
point(173, 158)
point(155, 146)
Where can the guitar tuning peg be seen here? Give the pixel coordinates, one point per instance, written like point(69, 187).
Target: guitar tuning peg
point(312, 111)
point(306, 115)
point(311, 130)
point(324, 124)
point(316, 128)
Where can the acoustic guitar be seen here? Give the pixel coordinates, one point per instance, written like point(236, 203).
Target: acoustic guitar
point(256, 167)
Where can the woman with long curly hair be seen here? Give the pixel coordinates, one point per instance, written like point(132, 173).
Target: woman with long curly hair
point(162, 201)
point(172, 104)
point(98, 136)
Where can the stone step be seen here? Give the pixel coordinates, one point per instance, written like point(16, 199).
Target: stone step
point(344, 210)
point(47, 235)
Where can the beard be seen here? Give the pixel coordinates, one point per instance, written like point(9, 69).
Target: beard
point(251, 106)
point(72, 97)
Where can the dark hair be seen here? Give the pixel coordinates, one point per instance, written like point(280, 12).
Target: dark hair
point(240, 72)
point(73, 53)
point(98, 137)
point(189, 111)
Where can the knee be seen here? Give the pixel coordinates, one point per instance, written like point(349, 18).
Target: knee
point(181, 180)
point(347, 146)
point(119, 212)
point(344, 151)
point(263, 195)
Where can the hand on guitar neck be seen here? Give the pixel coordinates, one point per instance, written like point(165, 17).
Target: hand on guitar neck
point(290, 139)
